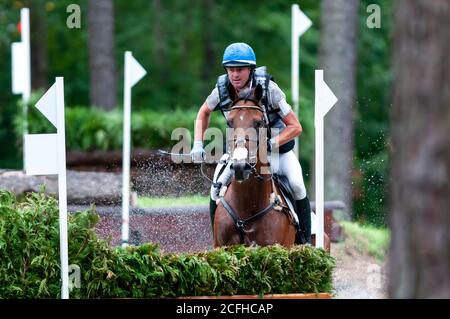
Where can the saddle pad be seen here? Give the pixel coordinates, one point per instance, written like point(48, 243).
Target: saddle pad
point(286, 190)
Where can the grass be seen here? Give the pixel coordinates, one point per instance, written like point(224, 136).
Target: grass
point(367, 239)
point(172, 201)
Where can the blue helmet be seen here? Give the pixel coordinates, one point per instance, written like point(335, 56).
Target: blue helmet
point(239, 54)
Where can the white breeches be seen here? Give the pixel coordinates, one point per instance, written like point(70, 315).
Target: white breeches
point(287, 164)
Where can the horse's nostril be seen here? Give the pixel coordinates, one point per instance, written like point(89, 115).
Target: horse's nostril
point(241, 170)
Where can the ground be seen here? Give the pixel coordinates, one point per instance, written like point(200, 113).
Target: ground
point(357, 275)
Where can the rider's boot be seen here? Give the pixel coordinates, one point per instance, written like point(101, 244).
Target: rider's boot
point(212, 211)
point(304, 217)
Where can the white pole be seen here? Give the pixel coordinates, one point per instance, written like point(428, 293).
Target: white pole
point(295, 65)
point(62, 188)
point(299, 24)
point(319, 183)
point(126, 150)
point(25, 38)
point(133, 73)
point(324, 101)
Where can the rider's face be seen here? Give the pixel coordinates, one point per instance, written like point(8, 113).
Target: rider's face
point(238, 76)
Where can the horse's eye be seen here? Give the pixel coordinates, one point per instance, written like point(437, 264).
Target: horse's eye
point(230, 123)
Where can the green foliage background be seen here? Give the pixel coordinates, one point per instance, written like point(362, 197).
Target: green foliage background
point(180, 75)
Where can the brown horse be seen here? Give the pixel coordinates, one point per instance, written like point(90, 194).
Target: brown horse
point(246, 214)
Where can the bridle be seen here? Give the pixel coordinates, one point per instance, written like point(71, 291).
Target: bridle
point(242, 140)
point(238, 222)
point(254, 107)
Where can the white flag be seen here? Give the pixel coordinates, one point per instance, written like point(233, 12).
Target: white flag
point(41, 154)
point(133, 69)
point(325, 98)
point(47, 105)
point(301, 22)
point(18, 55)
point(45, 154)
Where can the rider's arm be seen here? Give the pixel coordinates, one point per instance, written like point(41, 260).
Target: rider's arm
point(293, 129)
point(202, 122)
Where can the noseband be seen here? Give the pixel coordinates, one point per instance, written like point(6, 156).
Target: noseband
point(253, 107)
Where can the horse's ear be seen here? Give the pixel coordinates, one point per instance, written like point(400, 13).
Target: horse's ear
point(232, 93)
point(258, 92)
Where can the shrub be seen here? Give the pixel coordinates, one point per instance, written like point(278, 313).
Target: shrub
point(29, 261)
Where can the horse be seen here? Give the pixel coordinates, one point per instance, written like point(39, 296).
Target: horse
point(250, 213)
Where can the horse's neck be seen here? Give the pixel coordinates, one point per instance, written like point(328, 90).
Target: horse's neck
point(251, 196)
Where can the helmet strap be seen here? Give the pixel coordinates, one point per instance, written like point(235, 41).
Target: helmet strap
point(250, 77)
point(252, 73)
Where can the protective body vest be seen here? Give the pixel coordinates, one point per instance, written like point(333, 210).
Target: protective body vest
point(260, 76)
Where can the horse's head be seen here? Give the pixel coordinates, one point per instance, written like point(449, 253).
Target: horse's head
point(246, 121)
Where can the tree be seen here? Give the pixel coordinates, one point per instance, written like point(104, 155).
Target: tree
point(371, 119)
point(38, 38)
point(102, 63)
point(209, 56)
point(159, 40)
point(337, 55)
point(420, 151)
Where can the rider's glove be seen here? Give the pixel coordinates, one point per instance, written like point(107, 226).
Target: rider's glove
point(197, 153)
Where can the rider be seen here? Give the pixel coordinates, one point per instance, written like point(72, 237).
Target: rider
point(239, 61)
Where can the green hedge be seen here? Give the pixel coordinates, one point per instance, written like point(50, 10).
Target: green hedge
point(29, 261)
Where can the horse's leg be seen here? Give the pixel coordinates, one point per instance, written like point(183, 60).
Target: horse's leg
point(289, 239)
point(274, 228)
point(290, 232)
point(225, 233)
point(216, 228)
